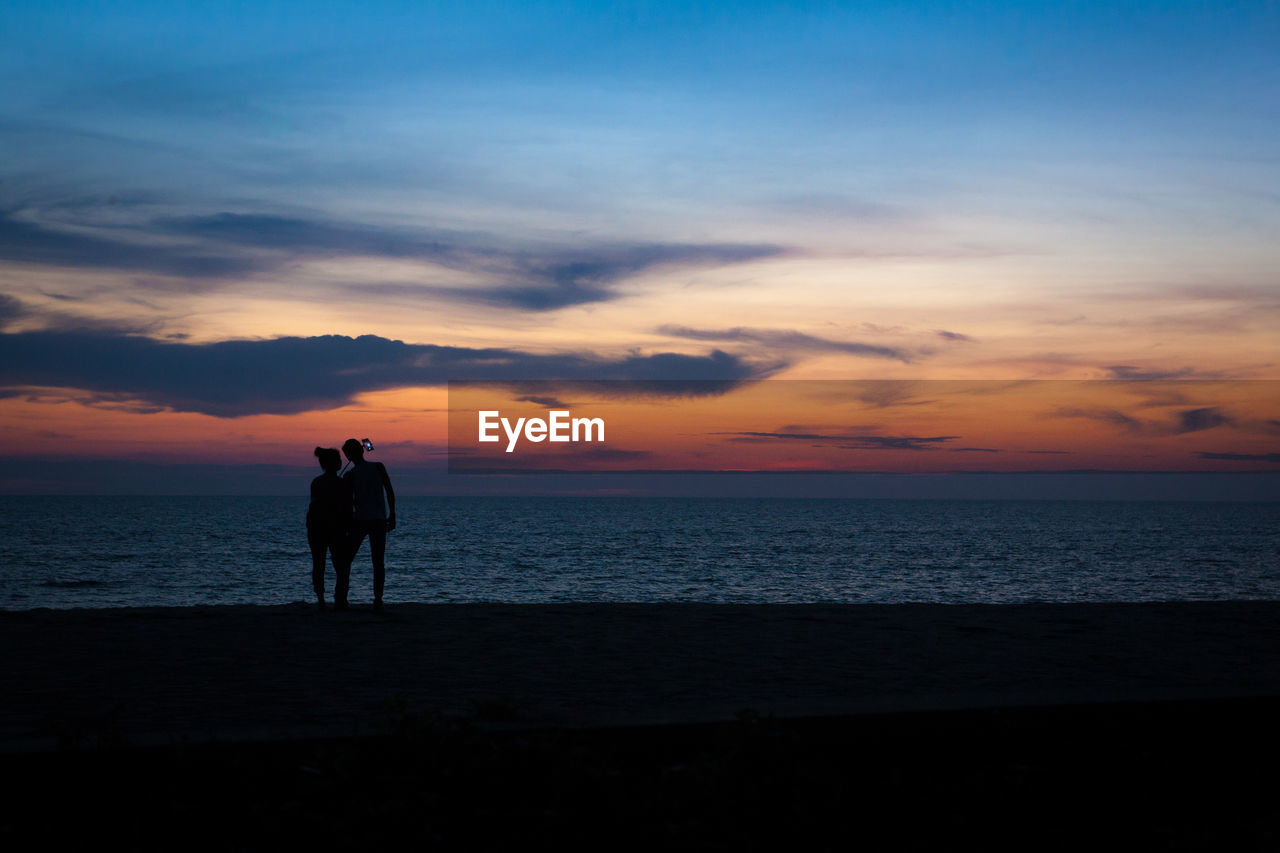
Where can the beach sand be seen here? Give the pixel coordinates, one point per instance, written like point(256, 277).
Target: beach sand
point(159, 674)
point(642, 727)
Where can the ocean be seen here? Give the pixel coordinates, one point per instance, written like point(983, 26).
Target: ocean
point(66, 552)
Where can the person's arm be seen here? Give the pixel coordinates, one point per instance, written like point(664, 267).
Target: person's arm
point(391, 498)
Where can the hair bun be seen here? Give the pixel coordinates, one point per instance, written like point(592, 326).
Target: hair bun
point(318, 451)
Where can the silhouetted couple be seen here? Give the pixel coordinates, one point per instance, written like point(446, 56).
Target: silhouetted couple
point(343, 511)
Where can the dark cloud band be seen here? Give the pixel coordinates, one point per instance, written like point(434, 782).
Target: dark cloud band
point(292, 374)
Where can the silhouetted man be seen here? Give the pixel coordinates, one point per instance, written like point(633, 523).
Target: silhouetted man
point(368, 480)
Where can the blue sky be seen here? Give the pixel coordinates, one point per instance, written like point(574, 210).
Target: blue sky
point(514, 110)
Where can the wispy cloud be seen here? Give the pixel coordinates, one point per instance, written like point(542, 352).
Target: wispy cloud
point(530, 278)
point(545, 401)
point(1131, 372)
point(1241, 457)
point(10, 309)
point(786, 340)
point(898, 442)
point(226, 245)
point(1185, 421)
point(851, 442)
point(888, 393)
point(1195, 420)
point(32, 243)
point(304, 236)
point(790, 436)
point(48, 320)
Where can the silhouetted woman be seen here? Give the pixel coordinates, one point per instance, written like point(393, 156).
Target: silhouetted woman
point(328, 520)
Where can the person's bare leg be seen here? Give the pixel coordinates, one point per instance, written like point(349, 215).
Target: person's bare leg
point(378, 550)
point(318, 548)
point(348, 550)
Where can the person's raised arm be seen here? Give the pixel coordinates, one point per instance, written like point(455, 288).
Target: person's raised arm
point(391, 498)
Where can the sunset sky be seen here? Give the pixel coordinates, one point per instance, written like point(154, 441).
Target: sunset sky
point(232, 233)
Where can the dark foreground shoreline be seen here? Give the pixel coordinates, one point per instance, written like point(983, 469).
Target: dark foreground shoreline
point(638, 725)
point(158, 675)
point(1178, 775)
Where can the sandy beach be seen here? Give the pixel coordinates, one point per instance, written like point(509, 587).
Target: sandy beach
point(164, 674)
point(642, 727)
